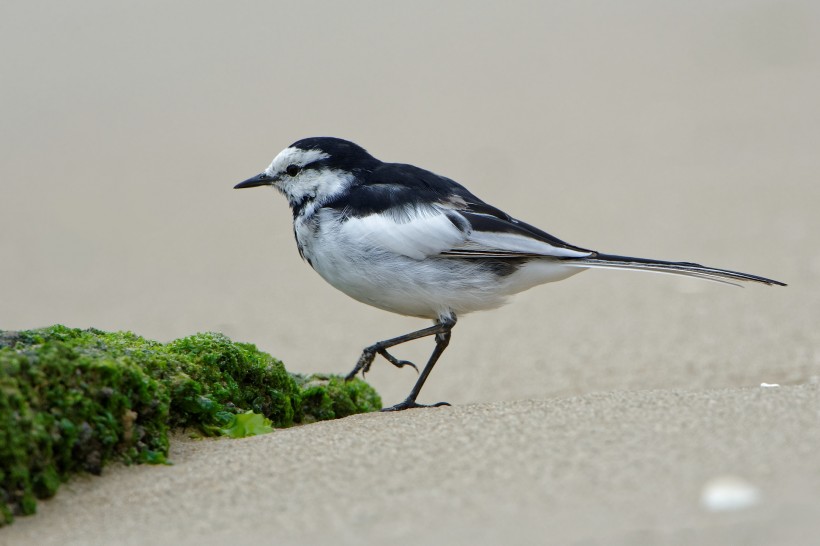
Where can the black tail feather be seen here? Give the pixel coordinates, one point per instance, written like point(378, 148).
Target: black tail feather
point(659, 266)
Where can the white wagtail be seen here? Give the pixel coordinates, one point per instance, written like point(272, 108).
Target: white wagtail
point(409, 241)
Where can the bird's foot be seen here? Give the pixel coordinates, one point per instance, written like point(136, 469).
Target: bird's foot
point(395, 361)
point(410, 404)
point(364, 363)
point(366, 360)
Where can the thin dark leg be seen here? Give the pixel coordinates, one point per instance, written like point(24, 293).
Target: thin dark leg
point(442, 340)
point(441, 330)
point(366, 360)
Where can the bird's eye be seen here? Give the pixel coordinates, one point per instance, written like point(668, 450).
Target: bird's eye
point(292, 170)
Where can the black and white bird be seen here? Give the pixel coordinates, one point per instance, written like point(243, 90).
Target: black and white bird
point(413, 242)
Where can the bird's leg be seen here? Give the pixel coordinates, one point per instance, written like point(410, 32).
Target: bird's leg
point(366, 360)
point(442, 340)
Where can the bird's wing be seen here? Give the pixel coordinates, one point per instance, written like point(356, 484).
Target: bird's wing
point(416, 232)
point(417, 213)
point(494, 234)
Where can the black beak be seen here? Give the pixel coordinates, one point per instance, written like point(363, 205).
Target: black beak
point(261, 179)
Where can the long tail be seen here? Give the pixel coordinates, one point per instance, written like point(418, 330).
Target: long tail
point(611, 261)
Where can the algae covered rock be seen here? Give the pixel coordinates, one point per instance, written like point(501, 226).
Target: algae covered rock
point(63, 410)
point(212, 378)
point(72, 400)
point(331, 397)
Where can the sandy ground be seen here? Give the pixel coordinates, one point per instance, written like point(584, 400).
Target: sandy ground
point(592, 411)
point(614, 468)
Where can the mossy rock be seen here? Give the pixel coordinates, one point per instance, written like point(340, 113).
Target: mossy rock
point(73, 400)
point(331, 397)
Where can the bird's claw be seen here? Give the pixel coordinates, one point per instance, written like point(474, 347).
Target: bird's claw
point(366, 360)
point(395, 361)
point(410, 404)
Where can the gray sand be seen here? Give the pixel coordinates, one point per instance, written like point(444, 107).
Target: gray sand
point(590, 411)
point(620, 468)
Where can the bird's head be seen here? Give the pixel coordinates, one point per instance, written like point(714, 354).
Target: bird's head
point(314, 169)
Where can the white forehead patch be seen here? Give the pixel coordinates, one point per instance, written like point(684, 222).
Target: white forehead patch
point(294, 156)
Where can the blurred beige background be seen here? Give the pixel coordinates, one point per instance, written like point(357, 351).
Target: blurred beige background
point(681, 131)
point(677, 131)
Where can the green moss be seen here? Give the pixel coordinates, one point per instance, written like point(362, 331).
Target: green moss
point(73, 400)
point(331, 397)
point(63, 407)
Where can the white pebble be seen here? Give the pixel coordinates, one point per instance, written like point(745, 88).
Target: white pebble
point(728, 493)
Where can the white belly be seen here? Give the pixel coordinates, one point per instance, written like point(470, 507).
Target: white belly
point(427, 288)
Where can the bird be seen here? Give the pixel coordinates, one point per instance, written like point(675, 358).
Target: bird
point(409, 241)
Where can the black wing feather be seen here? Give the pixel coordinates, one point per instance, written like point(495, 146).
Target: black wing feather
point(397, 186)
